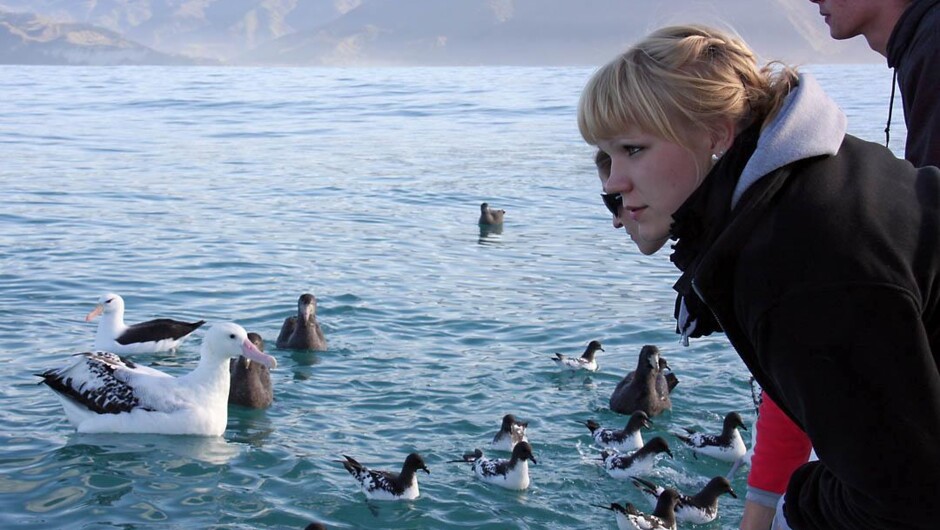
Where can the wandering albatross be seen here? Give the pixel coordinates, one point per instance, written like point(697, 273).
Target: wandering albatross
point(104, 393)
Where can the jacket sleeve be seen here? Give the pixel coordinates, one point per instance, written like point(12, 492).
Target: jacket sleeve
point(781, 447)
point(853, 364)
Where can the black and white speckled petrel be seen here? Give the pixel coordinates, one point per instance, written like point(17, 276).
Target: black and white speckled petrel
point(641, 389)
point(104, 393)
point(728, 446)
point(250, 381)
point(302, 332)
point(587, 360)
point(700, 508)
point(113, 335)
point(627, 439)
point(510, 474)
point(639, 462)
point(386, 485)
point(662, 518)
point(511, 432)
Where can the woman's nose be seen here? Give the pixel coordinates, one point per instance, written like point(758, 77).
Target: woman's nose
point(618, 182)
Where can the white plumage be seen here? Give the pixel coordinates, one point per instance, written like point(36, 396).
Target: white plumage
point(102, 392)
point(113, 335)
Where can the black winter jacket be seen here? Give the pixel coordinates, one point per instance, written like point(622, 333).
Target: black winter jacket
point(914, 52)
point(826, 279)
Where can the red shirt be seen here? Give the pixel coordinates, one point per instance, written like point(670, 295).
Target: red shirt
point(781, 447)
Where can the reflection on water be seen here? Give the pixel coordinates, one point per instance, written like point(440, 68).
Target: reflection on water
point(489, 233)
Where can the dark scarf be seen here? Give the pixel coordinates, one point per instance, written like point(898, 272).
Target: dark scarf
point(697, 224)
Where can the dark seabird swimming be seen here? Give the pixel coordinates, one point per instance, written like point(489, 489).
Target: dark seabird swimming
point(642, 388)
point(250, 381)
point(302, 332)
point(113, 335)
point(700, 508)
point(512, 473)
point(511, 432)
point(627, 439)
point(662, 518)
point(489, 216)
point(386, 485)
point(639, 462)
point(728, 446)
point(585, 362)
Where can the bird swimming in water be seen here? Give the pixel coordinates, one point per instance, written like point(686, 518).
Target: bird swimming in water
point(250, 381)
point(387, 485)
point(302, 332)
point(587, 360)
point(639, 462)
point(700, 508)
point(662, 518)
point(727, 446)
point(511, 432)
point(627, 439)
point(643, 389)
point(512, 473)
point(113, 335)
point(489, 216)
point(104, 393)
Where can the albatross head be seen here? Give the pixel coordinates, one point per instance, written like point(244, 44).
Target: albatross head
point(109, 303)
point(227, 339)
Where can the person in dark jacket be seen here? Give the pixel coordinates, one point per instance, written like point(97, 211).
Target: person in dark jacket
point(907, 34)
point(816, 253)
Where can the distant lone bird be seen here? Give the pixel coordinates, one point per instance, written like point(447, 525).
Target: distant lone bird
point(386, 485)
point(644, 389)
point(585, 362)
point(727, 446)
point(512, 473)
point(700, 508)
point(489, 216)
point(302, 332)
point(627, 439)
point(511, 432)
point(639, 462)
point(104, 393)
point(662, 518)
point(250, 381)
point(113, 335)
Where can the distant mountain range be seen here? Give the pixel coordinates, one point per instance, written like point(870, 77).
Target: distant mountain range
point(391, 32)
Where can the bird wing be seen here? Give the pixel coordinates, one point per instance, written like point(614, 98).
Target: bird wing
point(157, 330)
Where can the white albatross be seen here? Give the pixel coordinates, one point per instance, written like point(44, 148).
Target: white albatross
point(113, 335)
point(104, 393)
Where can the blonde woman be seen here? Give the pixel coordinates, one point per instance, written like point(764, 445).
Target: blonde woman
point(816, 253)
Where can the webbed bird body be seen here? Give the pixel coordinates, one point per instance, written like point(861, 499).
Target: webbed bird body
point(302, 332)
point(387, 485)
point(113, 335)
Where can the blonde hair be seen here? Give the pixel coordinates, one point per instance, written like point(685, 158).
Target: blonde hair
point(680, 78)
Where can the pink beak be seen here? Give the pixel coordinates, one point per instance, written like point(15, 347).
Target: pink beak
point(94, 313)
point(252, 352)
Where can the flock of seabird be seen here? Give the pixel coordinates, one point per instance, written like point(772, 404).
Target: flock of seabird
point(101, 391)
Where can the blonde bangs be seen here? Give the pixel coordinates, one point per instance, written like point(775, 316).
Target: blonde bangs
point(618, 97)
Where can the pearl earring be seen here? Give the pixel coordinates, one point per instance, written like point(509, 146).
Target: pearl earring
point(717, 156)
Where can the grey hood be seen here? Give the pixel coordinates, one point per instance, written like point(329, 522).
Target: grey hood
point(808, 124)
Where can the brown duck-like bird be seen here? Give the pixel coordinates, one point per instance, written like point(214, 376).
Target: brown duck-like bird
point(645, 389)
point(302, 332)
point(250, 381)
point(489, 216)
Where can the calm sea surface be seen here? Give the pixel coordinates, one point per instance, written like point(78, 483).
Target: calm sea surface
point(223, 194)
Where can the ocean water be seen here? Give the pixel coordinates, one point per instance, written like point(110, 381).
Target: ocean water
point(223, 194)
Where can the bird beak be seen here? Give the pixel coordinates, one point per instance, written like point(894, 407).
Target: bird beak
point(733, 494)
point(426, 470)
point(534, 461)
point(251, 352)
point(94, 313)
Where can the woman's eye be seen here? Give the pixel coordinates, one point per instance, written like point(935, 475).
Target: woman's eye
point(632, 149)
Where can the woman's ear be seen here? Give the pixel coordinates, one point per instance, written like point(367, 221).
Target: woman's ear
point(723, 135)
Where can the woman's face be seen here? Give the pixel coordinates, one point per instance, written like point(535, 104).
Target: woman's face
point(654, 177)
point(646, 247)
